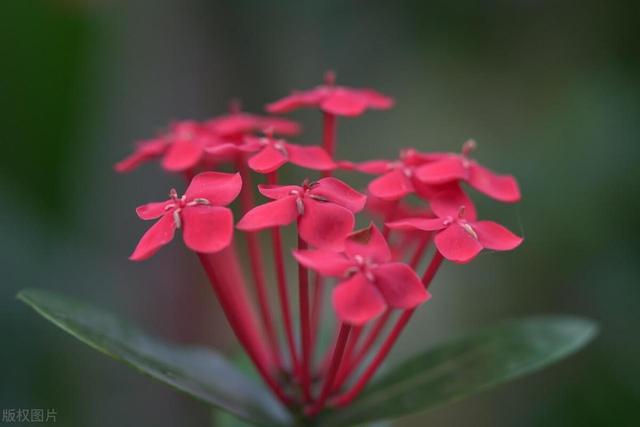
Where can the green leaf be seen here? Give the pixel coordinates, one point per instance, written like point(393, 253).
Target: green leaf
point(196, 371)
point(466, 366)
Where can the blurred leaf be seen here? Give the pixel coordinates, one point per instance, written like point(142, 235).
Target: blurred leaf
point(466, 366)
point(198, 372)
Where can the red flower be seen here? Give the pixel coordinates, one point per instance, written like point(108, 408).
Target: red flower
point(145, 151)
point(338, 100)
point(188, 140)
point(207, 226)
point(455, 167)
point(371, 281)
point(460, 236)
point(324, 210)
point(240, 123)
point(397, 176)
point(273, 153)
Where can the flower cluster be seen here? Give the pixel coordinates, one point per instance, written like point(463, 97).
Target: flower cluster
point(372, 272)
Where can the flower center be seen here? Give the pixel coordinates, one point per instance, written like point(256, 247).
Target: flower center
point(179, 203)
point(362, 265)
point(461, 222)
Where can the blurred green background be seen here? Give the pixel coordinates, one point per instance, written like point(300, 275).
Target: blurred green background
point(550, 90)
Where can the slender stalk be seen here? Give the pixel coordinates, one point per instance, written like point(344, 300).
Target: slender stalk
point(333, 370)
point(316, 312)
point(345, 368)
point(281, 274)
point(423, 244)
point(352, 393)
point(329, 137)
point(305, 327)
point(366, 346)
point(346, 398)
point(255, 258)
point(389, 217)
point(223, 271)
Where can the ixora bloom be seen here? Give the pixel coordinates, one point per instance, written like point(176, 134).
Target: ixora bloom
point(324, 210)
point(332, 99)
point(459, 167)
point(371, 283)
point(272, 153)
point(207, 225)
point(144, 152)
point(397, 177)
point(460, 236)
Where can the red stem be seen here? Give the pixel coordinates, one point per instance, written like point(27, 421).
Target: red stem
point(223, 271)
point(255, 258)
point(316, 312)
point(329, 136)
point(427, 278)
point(281, 274)
point(305, 327)
point(389, 217)
point(333, 370)
point(420, 249)
point(345, 369)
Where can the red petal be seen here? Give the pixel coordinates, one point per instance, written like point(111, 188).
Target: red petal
point(442, 171)
point(325, 262)
point(357, 300)
point(325, 225)
point(182, 155)
point(144, 152)
point(500, 187)
point(344, 102)
point(400, 285)
point(391, 186)
point(375, 99)
point(338, 192)
point(218, 188)
point(278, 191)
point(152, 210)
point(297, 100)
point(279, 126)
point(315, 158)
point(157, 236)
point(494, 236)
point(267, 160)
point(448, 202)
point(272, 214)
point(375, 167)
point(424, 224)
point(456, 244)
point(368, 243)
point(207, 229)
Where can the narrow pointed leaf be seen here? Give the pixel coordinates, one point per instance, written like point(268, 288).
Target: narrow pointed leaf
point(466, 366)
point(197, 371)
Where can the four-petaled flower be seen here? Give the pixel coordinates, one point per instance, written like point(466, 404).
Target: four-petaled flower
point(324, 210)
point(238, 124)
point(459, 167)
point(338, 100)
point(371, 281)
point(460, 236)
point(207, 226)
point(273, 153)
point(397, 177)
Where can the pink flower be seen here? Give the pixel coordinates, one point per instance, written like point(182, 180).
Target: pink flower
point(144, 152)
point(456, 167)
point(460, 237)
point(338, 100)
point(207, 225)
point(188, 140)
point(240, 123)
point(397, 177)
point(371, 282)
point(324, 210)
point(273, 153)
